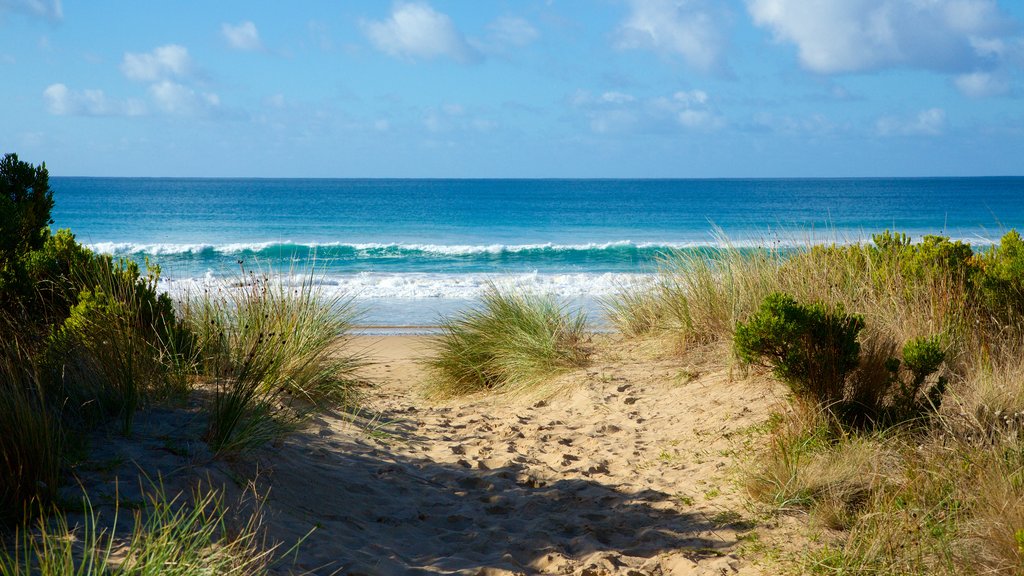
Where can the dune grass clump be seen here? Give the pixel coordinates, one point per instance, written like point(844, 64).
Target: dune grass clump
point(170, 536)
point(511, 341)
point(269, 347)
point(31, 437)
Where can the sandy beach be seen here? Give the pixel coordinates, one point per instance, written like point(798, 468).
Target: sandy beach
point(627, 466)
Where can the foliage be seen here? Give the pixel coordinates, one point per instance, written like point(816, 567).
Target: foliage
point(173, 536)
point(266, 344)
point(1003, 281)
point(810, 347)
point(921, 358)
point(31, 438)
point(511, 341)
point(25, 204)
point(933, 255)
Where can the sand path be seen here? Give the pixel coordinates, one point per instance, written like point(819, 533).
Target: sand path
point(629, 469)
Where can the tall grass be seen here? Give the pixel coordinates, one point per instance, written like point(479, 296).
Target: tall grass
point(511, 341)
point(31, 437)
point(170, 537)
point(119, 346)
point(936, 495)
point(269, 346)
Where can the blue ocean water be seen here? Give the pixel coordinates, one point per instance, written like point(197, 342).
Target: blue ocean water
point(410, 250)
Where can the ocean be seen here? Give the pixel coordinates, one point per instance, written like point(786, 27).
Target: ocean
point(410, 251)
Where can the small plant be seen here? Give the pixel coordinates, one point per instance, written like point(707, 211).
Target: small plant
point(266, 344)
point(636, 310)
point(169, 536)
point(921, 358)
point(810, 347)
point(511, 341)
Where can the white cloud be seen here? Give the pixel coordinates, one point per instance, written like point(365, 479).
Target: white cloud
point(509, 31)
point(242, 36)
point(455, 118)
point(686, 28)
point(51, 9)
point(416, 30)
point(164, 62)
point(62, 101)
point(931, 122)
point(617, 97)
point(177, 99)
point(617, 112)
point(982, 85)
point(859, 35)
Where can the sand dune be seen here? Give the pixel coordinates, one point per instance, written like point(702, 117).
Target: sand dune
point(627, 469)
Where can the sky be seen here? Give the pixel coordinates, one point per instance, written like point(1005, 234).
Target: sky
point(508, 89)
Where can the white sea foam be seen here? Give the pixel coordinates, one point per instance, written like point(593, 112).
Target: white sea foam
point(124, 248)
point(415, 286)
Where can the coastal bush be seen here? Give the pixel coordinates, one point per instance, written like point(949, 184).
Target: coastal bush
point(267, 343)
point(812, 348)
point(25, 204)
point(1003, 280)
point(511, 341)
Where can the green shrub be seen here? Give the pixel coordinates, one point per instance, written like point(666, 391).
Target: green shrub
point(511, 341)
point(810, 347)
point(25, 204)
point(933, 255)
point(1003, 281)
point(922, 358)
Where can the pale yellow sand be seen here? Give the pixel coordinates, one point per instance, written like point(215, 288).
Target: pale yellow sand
point(630, 468)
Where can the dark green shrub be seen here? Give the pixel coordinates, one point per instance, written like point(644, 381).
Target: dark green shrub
point(922, 357)
point(809, 347)
point(25, 205)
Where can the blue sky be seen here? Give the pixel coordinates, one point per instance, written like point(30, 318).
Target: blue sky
point(546, 88)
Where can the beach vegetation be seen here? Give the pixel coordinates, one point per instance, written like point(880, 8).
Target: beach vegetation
point(510, 341)
point(271, 348)
point(87, 338)
point(178, 535)
point(904, 437)
point(810, 347)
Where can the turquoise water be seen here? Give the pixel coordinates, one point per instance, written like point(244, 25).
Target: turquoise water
point(409, 250)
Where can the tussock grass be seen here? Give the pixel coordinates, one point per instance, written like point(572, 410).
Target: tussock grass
point(172, 536)
point(31, 437)
point(269, 347)
point(511, 341)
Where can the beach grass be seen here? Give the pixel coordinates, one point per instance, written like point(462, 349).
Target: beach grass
point(510, 341)
point(168, 536)
point(929, 482)
point(32, 440)
point(271, 347)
